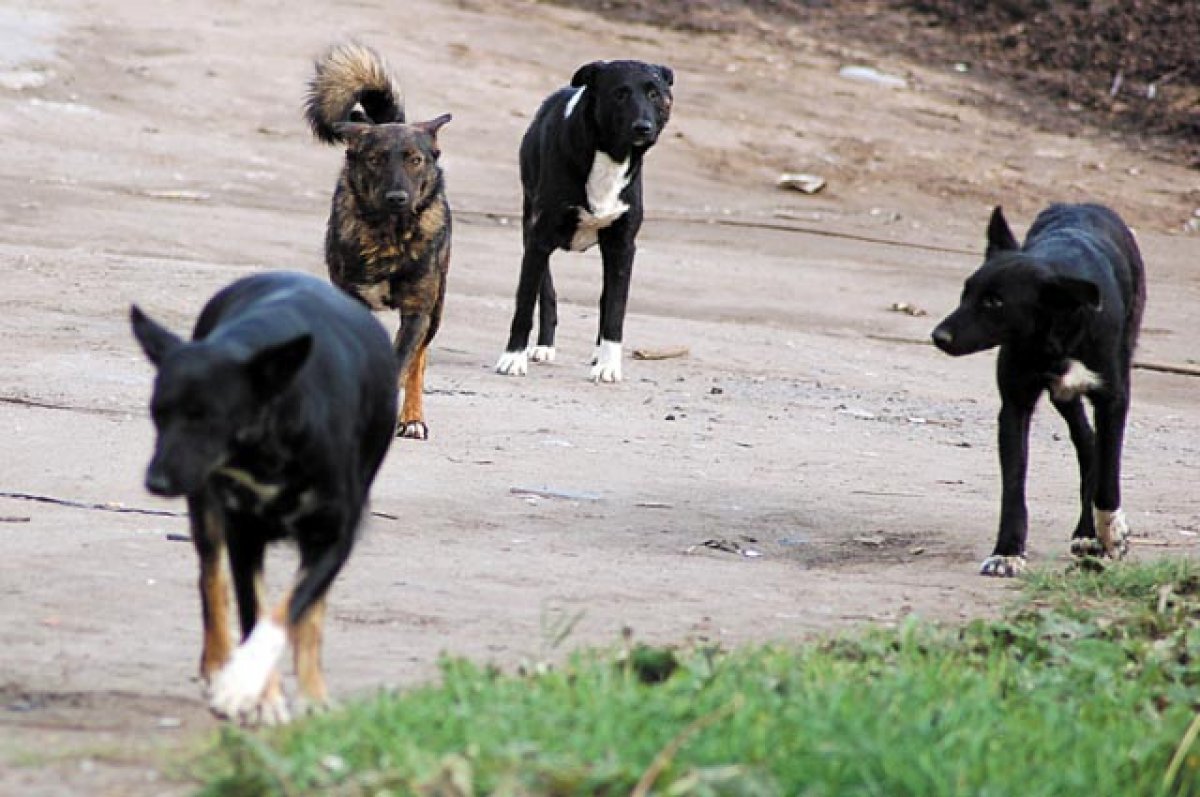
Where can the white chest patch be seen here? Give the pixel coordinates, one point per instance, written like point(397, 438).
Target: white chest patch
point(605, 183)
point(1077, 380)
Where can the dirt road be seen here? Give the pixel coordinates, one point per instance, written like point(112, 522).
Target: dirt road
point(154, 152)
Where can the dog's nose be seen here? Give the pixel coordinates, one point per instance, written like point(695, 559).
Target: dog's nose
point(396, 199)
point(942, 338)
point(159, 483)
point(642, 129)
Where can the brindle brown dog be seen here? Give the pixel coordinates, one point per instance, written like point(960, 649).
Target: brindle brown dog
point(388, 239)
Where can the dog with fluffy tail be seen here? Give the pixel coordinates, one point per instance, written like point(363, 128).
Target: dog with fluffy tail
point(387, 243)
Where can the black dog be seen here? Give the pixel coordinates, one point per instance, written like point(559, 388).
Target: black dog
point(272, 421)
point(388, 239)
point(581, 171)
point(1065, 309)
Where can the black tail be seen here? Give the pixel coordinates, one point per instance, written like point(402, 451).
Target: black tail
point(352, 83)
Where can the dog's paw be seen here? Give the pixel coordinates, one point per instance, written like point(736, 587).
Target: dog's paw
point(308, 707)
point(412, 430)
point(1082, 547)
point(606, 365)
point(513, 363)
point(1003, 566)
point(541, 354)
point(1112, 531)
point(247, 688)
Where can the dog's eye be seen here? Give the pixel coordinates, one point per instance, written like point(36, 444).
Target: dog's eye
point(378, 159)
point(415, 161)
point(653, 94)
point(991, 303)
point(622, 93)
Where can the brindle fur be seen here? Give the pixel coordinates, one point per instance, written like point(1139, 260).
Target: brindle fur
point(388, 239)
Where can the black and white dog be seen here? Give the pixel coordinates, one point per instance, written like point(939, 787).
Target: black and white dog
point(581, 171)
point(272, 421)
point(1065, 309)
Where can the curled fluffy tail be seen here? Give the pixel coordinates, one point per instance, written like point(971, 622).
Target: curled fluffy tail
point(352, 83)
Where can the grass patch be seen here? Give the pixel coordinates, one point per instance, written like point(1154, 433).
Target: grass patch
point(1090, 686)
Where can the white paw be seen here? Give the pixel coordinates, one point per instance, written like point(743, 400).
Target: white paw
point(239, 689)
point(1113, 531)
point(607, 362)
point(513, 363)
point(1003, 566)
point(541, 354)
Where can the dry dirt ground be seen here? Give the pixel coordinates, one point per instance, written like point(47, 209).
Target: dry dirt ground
point(154, 152)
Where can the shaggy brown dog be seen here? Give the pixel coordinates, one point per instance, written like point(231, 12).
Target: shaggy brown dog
point(388, 239)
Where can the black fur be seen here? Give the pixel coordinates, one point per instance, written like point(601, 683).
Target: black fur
point(1073, 293)
point(272, 421)
point(622, 110)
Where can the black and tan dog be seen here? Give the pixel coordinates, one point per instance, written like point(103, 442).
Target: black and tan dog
point(1065, 309)
point(388, 239)
point(272, 421)
point(581, 172)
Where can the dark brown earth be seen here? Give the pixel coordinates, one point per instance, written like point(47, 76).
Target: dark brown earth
point(153, 152)
point(1130, 66)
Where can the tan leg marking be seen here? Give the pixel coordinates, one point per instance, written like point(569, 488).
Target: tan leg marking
point(412, 414)
point(214, 602)
point(306, 645)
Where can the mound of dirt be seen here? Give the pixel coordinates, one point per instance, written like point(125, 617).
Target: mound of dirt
point(1131, 66)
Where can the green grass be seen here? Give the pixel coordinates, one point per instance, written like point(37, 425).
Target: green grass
point(1089, 686)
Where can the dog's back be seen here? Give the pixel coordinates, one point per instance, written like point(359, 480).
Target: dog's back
point(1092, 242)
point(343, 400)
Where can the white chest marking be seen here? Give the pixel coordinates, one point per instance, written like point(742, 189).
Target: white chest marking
point(604, 186)
point(571, 103)
point(1077, 380)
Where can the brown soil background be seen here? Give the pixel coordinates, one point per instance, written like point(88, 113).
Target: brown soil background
point(154, 152)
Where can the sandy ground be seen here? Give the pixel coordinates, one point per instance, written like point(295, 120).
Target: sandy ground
point(154, 152)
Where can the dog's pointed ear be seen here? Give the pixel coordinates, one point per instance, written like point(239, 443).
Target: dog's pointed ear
point(156, 340)
point(586, 73)
point(1069, 293)
point(668, 75)
point(999, 236)
point(273, 368)
point(351, 133)
point(432, 127)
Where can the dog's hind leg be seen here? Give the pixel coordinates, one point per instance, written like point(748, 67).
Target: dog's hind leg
point(1111, 527)
point(534, 266)
point(208, 535)
point(1083, 541)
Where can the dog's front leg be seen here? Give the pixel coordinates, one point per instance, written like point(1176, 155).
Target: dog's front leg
point(1083, 541)
point(208, 535)
point(1008, 557)
point(306, 645)
point(617, 250)
point(1111, 527)
point(534, 265)
point(412, 340)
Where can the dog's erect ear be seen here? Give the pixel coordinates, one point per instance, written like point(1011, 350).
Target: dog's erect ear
point(156, 340)
point(999, 236)
point(351, 132)
point(432, 127)
point(668, 75)
point(272, 369)
point(1069, 293)
point(586, 73)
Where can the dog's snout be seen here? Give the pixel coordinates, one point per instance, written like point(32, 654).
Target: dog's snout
point(943, 338)
point(159, 483)
point(396, 199)
point(642, 128)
